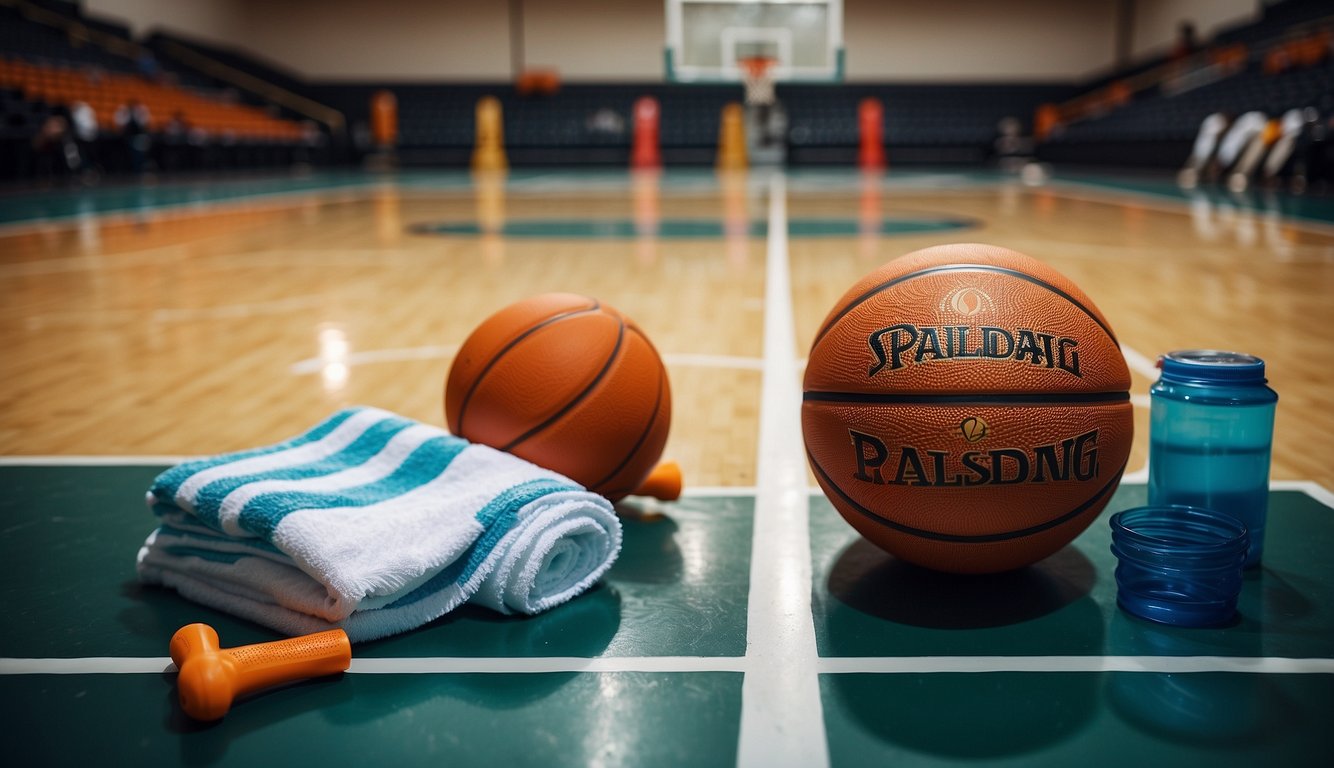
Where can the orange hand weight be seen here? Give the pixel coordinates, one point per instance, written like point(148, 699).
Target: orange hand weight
point(664, 482)
point(212, 677)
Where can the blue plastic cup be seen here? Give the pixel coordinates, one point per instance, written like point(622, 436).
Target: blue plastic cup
point(1179, 565)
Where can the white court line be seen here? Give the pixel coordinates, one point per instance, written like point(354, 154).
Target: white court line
point(550, 664)
point(371, 356)
point(90, 665)
point(1093, 193)
point(1309, 487)
point(155, 212)
point(782, 723)
point(440, 352)
point(1270, 665)
point(983, 664)
point(1136, 477)
point(1139, 363)
point(91, 461)
point(719, 490)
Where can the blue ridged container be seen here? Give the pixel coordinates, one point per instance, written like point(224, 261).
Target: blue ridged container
point(1211, 428)
point(1178, 565)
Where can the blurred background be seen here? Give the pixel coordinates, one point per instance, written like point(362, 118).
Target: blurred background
point(105, 90)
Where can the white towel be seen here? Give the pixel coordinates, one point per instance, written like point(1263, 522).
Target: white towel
point(376, 524)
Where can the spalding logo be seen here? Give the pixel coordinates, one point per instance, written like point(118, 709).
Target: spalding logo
point(974, 429)
point(967, 301)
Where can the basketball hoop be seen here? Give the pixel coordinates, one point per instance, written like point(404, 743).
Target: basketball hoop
point(757, 74)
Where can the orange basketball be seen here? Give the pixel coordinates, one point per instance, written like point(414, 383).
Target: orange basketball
point(967, 409)
point(567, 383)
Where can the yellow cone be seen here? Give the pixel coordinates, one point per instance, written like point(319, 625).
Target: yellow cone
point(732, 138)
point(488, 152)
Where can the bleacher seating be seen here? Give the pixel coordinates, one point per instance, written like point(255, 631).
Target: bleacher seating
point(1136, 116)
point(436, 122)
point(1286, 62)
point(922, 123)
point(46, 68)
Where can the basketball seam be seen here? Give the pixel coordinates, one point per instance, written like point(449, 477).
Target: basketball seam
point(553, 418)
point(1037, 399)
point(653, 420)
point(476, 382)
point(963, 268)
point(955, 538)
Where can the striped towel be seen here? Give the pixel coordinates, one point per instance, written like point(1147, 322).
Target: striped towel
point(376, 524)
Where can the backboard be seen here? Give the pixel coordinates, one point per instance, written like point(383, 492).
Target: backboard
point(708, 39)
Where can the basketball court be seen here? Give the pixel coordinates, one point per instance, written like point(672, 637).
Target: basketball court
point(745, 624)
point(279, 311)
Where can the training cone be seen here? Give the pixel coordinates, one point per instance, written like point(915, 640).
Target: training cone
point(870, 118)
point(489, 147)
point(732, 139)
point(645, 152)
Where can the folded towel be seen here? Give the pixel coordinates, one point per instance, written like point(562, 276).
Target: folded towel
point(376, 524)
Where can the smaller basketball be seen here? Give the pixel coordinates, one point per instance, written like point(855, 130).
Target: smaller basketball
point(567, 383)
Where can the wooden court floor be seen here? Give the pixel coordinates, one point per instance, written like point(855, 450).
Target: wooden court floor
point(156, 322)
point(183, 321)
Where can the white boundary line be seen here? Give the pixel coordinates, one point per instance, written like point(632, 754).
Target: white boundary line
point(1309, 487)
point(91, 461)
point(1093, 193)
point(160, 211)
point(550, 664)
point(89, 665)
point(1139, 363)
point(444, 351)
point(782, 723)
point(1270, 665)
point(985, 664)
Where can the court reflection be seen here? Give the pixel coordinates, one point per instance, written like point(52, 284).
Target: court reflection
point(875, 605)
point(489, 189)
point(966, 716)
point(583, 626)
point(678, 588)
point(866, 579)
point(736, 218)
point(649, 551)
point(261, 719)
point(646, 194)
point(1200, 708)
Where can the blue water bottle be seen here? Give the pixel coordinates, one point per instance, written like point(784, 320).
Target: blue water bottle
point(1210, 434)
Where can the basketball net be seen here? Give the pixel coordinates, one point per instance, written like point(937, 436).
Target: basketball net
point(757, 74)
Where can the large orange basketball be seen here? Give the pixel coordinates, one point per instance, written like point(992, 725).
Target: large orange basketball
point(567, 383)
point(967, 409)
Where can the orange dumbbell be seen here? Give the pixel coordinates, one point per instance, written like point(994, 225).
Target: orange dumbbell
point(664, 482)
point(211, 677)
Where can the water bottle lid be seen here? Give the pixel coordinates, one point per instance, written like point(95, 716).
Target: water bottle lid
point(1210, 366)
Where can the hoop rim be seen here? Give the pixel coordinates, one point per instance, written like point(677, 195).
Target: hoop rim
point(757, 66)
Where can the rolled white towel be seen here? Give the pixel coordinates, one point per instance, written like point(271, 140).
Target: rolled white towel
point(376, 524)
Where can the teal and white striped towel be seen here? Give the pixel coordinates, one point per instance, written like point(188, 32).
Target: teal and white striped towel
point(376, 524)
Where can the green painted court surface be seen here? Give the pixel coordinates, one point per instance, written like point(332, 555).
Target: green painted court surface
point(648, 668)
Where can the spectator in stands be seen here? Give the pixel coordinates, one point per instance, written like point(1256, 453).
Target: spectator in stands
point(85, 138)
point(1010, 147)
point(310, 151)
point(148, 66)
point(1186, 42)
point(132, 121)
point(54, 153)
point(197, 148)
point(606, 121)
point(175, 136)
